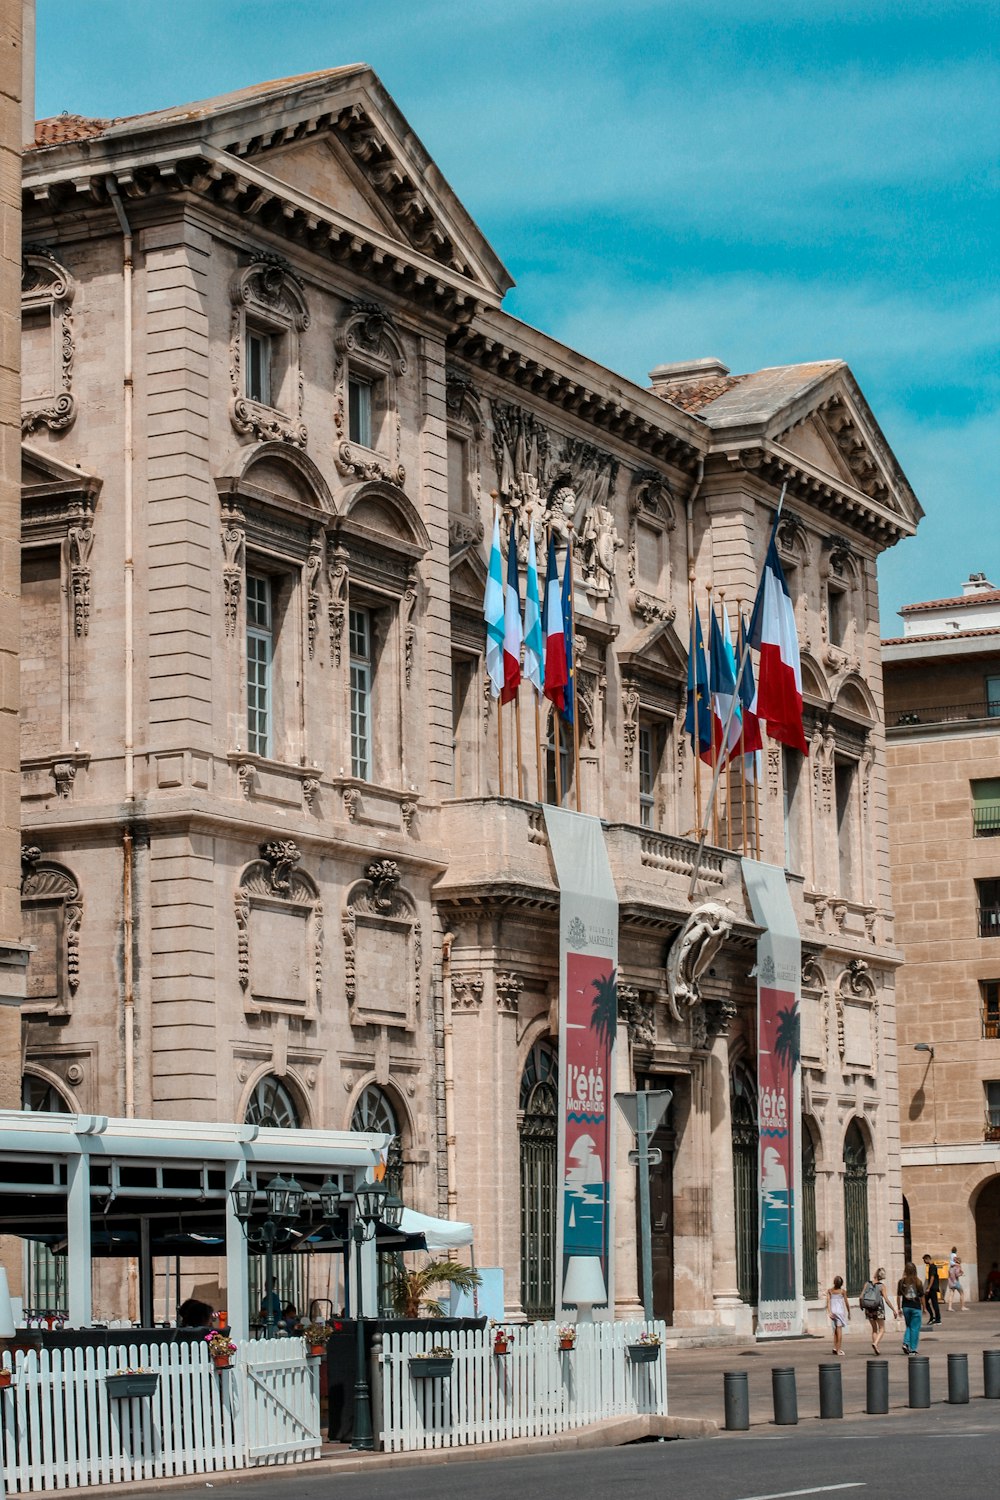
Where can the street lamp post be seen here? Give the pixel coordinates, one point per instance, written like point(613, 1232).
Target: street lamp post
point(284, 1201)
point(372, 1203)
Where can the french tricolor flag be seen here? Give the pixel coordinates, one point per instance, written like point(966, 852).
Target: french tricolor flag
point(512, 631)
point(556, 675)
point(779, 675)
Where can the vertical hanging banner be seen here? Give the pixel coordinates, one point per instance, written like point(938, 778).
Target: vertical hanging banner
point(779, 1102)
point(588, 1019)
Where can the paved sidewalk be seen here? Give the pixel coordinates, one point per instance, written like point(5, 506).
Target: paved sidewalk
point(695, 1385)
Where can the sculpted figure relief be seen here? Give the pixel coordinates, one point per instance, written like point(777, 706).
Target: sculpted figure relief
point(599, 541)
point(692, 952)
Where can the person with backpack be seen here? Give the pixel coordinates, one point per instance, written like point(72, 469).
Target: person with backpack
point(873, 1302)
point(910, 1294)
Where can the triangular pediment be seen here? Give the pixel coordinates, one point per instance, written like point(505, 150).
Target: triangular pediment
point(655, 651)
point(40, 471)
point(468, 577)
point(323, 171)
point(813, 441)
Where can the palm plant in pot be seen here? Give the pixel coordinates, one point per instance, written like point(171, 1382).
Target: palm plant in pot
point(410, 1291)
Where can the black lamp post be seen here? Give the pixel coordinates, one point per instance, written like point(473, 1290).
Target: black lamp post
point(372, 1203)
point(284, 1200)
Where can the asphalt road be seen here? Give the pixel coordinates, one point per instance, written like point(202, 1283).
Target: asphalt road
point(945, 1453)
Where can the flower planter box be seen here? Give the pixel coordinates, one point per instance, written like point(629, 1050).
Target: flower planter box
point(643, 1354)
point(222, 1362)
point(438, 1367)
point(6, 1379)
point(316, 1351)
point(501, 1346)
point(122, 1386)
point(566, 1345)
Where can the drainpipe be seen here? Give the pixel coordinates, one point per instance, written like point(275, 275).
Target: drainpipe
point(128, 399)
point(127, 483)
point(689, 520)
point(449, 1075)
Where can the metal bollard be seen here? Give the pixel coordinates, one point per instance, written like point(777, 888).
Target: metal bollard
point(736, 1396)
point(991, 1374)
point(877, 1387)
point(919, 1374)
point(786, 1408)
point(831, 1391)
point(958, 1379)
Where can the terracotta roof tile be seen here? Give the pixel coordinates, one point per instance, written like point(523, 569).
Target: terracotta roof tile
point(692, 395)
point(59, 128)
point(942, 635)
point(964, 601)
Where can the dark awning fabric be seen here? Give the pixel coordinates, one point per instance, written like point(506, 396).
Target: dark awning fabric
point(201, 1232)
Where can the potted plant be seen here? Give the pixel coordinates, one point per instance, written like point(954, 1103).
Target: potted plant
point(501, 1337)
point(409, 1290)
point(566, 1334)
point(6, 1378)
point(645, 1349)
point(316, 1335)
point(125, 1383)
point(221, 1348)
point(433, 1364)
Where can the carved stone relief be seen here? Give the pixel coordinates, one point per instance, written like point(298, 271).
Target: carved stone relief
point(52, 913)
point(338, 579)
point(693, 951)
point(268, 292)
point(279, 924)
point(630, 721)
point(383, 953)
point(508, 990)
point(369, 341)
point(467, 991)
point(233, 564)
point(313, 566)
point(651, 519)
point(47, 291)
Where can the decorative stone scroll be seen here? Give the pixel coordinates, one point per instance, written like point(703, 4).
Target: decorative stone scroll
point(508, 988)
point(467, 991)
point(52, 913)
point(630, 721)
point(279, 924)
point(47, 291)
point(338, 579)
point(383, 952)
point(233, 564)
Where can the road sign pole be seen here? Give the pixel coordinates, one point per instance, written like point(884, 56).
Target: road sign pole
point(645, 1228)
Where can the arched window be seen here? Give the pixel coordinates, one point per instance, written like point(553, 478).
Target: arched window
point(745, 1177)
point(271, 1105)
point(374, 1112)
point(44, 1273)
point(810, 1257)
point(539, 1098)
point(856, 1209)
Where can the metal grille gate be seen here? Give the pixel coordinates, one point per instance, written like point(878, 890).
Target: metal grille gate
point(856, 1209)
point(745, 1148)
point(538, 1201)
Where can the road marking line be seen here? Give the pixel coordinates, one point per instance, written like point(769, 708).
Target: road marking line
point(822, 1489)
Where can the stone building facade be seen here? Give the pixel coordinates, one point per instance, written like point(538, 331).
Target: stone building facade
point(271, 392)
point(942, 684)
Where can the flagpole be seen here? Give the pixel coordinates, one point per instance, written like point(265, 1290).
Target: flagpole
point(743, 754)
point(744, 654)
point(725, 752)
point(716, 763)
point(756, 806)
point(538, 749)
point(500, 741)
point(517, 730)
point(697, 729)
point(571, 673)
point(557, 751)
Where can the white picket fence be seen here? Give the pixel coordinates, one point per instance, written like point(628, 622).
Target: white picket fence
point(60, 1427)
point(533, 1390)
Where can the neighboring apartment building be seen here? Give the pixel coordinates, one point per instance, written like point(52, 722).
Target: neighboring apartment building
point(270, 390)
point(942, 689)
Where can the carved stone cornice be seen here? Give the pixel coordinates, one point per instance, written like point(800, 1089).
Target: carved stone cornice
point(508, 990)
point(467, 991)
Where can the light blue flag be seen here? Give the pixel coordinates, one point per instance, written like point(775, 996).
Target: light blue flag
point(493, 612)
point(534, 670)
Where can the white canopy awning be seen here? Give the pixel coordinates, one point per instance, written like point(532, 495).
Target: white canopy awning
point(440, 1234)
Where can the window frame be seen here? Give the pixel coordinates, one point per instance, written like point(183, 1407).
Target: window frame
point(361, 668)
point(655, 732)
point(262, 635)
point(268, 302)
point(369, 350)
point(989, 1006)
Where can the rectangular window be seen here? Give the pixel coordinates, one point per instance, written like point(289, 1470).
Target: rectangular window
point(564, 732)
point(459, 488)
point(650, 744)
point(992, 1089)
point(791, 771)
point(360, 633)
point(359, 411)
point(988, 898)
point(989, 990)
point(463, 717)
point(260, 655)
point(837, 612)
point(258, 371)
point(844, 775)
point(986, 808)
point(41, 653)
point(993, 697)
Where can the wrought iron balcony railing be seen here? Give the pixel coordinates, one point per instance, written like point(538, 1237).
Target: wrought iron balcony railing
point(945, 713)
point(986, 821)
point(989, 921)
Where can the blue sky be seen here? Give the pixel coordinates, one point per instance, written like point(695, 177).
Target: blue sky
point(766, 181)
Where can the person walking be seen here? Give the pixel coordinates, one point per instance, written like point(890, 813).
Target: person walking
point(932, 1286)
point(873, 1302)
point(955, 1285)
point(838, 1310)
point(910, 1295)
